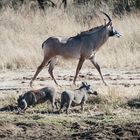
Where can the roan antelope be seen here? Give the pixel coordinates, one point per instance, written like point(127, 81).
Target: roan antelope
point(82, 46)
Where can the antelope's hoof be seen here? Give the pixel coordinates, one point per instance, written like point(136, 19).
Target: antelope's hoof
point(74, 83)
point(105, 84)
point(59, 86)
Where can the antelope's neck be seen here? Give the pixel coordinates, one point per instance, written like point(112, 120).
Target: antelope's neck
point(100, 38)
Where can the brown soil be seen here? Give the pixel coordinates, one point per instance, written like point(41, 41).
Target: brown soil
point(94, 130)
point(31, 131)
point(106, 131)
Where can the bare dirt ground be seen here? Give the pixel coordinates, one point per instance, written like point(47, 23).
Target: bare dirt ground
point(118, 118)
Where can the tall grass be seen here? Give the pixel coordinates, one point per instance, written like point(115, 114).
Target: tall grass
point(23, 31)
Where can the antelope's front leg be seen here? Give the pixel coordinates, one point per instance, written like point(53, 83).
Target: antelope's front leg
point(80, 63)
point(51, 67)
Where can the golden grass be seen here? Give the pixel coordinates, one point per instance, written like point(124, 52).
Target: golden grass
point(111, 107)
point(22, 34)
point(123, 52)
point(23, 31)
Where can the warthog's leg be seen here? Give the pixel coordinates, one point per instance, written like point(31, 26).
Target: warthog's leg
point(92, 59)
point(45, 61)
point(56, 105)
point(80, 63)
point(82, 105)
point(51, 67)
point(53, 106)
point(68, 106)
point(83, 102)
point(61, 106)
point(52, 100)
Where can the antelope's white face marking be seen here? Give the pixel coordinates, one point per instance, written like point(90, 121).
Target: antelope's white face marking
point(114, 32)
point(117, 34)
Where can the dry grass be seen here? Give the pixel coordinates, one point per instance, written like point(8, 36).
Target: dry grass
point(123, 52)
point(115, 98)
point(111, 108)
point(23, 32)
point(8, 98)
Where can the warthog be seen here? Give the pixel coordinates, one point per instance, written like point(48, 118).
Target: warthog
point(76, 97)
point(34, 97)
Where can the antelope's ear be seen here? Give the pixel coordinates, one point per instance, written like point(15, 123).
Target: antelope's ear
point(105, 22)
point(109, 24)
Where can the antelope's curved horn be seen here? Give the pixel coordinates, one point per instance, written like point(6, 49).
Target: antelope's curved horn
point(107, 16)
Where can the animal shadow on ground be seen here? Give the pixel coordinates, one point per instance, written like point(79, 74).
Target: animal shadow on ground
point(134, 103)
point(14, 108)
point(9, 108)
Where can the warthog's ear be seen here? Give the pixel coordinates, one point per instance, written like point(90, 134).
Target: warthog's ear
point(34, 100)
point(83, 83)
point(86, 83)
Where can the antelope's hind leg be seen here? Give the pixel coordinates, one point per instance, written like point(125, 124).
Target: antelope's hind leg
point(92, 59)
point(44, 62)
point(51, 67)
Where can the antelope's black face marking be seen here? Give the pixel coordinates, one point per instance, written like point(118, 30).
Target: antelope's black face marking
point(113, 32)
